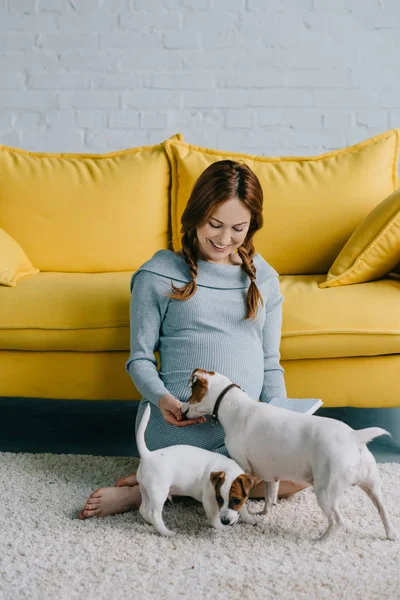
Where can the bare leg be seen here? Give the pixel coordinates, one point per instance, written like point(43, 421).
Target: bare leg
point(130, 480)
point(286, 489)
point(111, 501)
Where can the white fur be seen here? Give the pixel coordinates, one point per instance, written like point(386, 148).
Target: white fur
point(275, 443)
point(184, 470)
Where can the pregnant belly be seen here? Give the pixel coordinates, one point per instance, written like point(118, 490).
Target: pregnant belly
point(248, 373)
point(177, 383)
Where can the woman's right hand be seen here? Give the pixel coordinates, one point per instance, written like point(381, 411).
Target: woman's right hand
point(171, 411)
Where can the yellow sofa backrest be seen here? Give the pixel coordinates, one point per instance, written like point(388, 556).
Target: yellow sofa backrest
point(311, 204)
point(83, 212)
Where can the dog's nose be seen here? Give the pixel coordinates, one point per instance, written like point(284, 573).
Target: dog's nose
point(225, 521)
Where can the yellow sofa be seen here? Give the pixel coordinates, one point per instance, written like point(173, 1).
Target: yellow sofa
point(74, 227)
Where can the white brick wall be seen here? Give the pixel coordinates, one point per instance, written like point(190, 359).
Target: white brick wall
point(271, 77)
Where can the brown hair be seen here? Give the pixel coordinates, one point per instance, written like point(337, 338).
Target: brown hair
point(221, 181)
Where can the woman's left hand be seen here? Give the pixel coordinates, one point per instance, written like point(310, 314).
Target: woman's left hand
point(171, 411)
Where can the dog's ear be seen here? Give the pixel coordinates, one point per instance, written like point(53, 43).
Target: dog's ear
point(217, 477)
point(199, 388)
point(196, 376)
point(248, 481)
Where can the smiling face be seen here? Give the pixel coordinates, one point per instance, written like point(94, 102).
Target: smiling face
point(231, 496)
point(224, 231)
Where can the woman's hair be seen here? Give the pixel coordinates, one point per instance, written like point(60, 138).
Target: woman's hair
point(222, 181)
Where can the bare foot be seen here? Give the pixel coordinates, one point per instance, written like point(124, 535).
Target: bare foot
point(129, 480)
point(111, 501)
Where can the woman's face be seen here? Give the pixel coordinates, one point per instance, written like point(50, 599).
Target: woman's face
point(224, 231)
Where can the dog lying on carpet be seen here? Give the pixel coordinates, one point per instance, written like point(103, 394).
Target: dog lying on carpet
point(215, 480)
point(275, 443)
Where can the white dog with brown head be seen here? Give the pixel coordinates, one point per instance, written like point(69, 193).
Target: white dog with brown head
point(275, 443)
point(182, 470)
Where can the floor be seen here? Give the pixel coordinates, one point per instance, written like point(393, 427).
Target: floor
point(107, 428)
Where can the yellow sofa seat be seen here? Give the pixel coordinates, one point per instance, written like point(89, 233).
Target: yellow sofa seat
point(66, 311)
point(90, 313)
point(348, 321)
point(367, 381)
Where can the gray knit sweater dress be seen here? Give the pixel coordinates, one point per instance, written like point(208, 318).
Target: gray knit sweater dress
point(208, 332)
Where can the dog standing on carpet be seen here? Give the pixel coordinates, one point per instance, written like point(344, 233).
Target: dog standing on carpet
point(215, 480)
point(275, 443)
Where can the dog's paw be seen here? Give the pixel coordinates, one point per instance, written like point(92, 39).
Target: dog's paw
point(249, 519)
point(167, 533)
point(392, 535)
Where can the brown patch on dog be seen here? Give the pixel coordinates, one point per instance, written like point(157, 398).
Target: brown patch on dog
point(240, 489)
point(217, 478)
point(199, 390)
point(199, 387)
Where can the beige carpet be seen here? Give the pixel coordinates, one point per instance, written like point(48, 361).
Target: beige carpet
point(47, 553)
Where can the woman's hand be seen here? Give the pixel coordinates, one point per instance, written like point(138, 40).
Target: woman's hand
point(171, 411)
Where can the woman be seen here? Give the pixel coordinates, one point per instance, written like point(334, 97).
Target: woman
point(216, 306)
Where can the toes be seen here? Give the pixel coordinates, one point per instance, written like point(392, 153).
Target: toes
point(93, 501)
point(97, 493)
point(86, 513)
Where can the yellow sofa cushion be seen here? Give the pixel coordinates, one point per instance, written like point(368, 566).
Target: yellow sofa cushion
point(360, 381)
point(374, 248)
point(311, 204)
point(349, 321)
point(90, 312)
point(66, 311)
point(13, 261)
point(86, 212)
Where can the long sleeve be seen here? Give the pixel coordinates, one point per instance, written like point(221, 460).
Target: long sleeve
point(149, 302)
point(274, 382)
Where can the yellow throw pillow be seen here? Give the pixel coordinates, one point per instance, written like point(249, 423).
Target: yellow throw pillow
point(312, 204)
point(13, 261)
point(374, 248)
point(88, 213)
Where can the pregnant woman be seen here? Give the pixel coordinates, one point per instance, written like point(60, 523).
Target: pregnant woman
point(215, 305)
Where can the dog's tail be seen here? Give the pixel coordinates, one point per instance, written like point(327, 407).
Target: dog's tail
point(363, 436)
point(141, 444)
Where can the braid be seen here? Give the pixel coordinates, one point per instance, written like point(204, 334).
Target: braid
point(190, 254)
point(189, 251)
point(246, 253)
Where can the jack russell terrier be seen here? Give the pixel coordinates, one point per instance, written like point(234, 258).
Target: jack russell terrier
point(275, 443)
point(215, 480)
